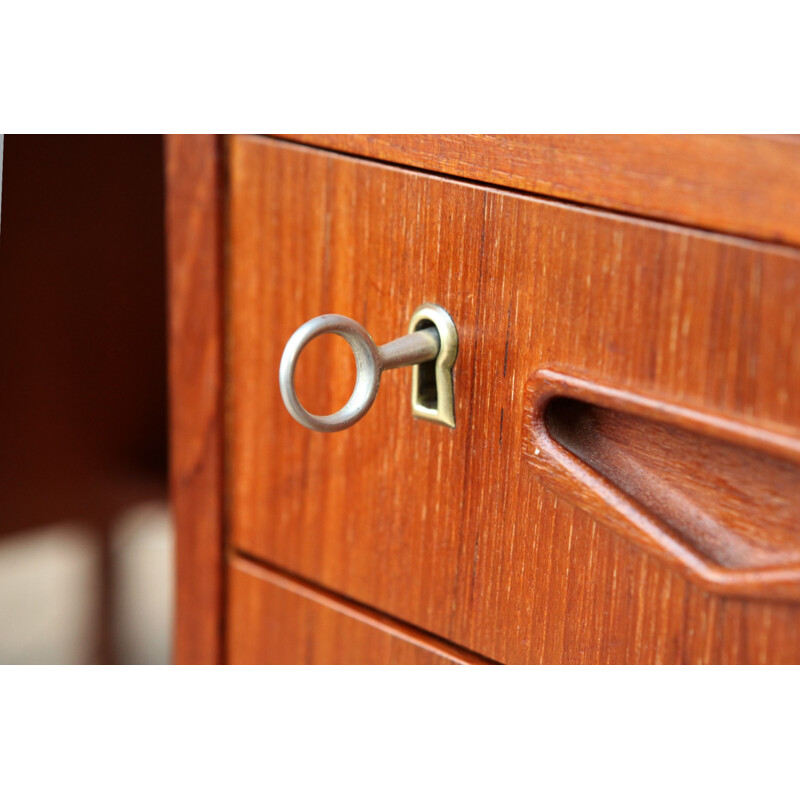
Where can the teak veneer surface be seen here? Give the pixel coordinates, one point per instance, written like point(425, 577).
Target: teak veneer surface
point(276, 620)
point(194, 222)
point(450, 530)
point(738, 184)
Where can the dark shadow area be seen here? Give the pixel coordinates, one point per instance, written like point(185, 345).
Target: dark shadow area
point(83, 393)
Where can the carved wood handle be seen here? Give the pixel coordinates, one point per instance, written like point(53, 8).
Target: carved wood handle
point(714, 497)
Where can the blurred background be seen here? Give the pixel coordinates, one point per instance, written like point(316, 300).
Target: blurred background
point(86, 573)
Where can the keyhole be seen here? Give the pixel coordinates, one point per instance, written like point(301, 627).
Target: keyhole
point(427, 395)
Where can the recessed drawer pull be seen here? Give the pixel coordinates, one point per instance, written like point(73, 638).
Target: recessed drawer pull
point(432, 342)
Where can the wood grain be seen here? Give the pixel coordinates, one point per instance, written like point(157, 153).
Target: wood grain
point(715, 498)
point(739, 184)
point(448, 529)
point(278, 620)
point(194, 234)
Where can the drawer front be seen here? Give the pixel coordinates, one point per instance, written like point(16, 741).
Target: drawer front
point(455, 530)
point(277, 620)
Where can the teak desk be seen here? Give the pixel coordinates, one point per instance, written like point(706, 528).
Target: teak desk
point(622, 482)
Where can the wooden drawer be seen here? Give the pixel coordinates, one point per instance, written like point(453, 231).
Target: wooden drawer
point(459, 531)
point(274, 619)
